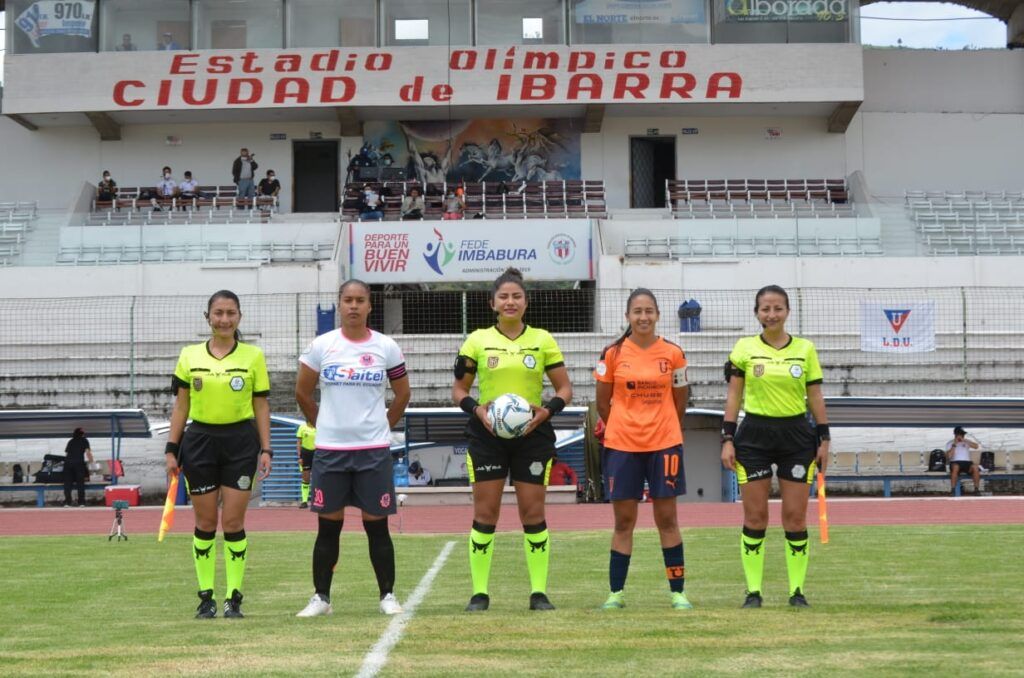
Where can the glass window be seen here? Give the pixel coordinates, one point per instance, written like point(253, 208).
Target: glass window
point(665, 22)
point(50, 27)
point(140, 25)
point(330, 23)
point(426, 22)
point(764, 21)
point(239, 24)
point(527, 22)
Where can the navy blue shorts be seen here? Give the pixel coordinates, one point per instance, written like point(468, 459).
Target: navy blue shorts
point(627, 471)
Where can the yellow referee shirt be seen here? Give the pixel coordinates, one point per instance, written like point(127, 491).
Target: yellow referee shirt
point(517, 365)
point(221, 391)
point(776, 379)
point(307, 434)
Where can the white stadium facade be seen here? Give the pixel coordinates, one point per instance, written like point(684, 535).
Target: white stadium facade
point(701, 148)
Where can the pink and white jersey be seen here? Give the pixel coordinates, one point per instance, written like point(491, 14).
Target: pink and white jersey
point(353, 378)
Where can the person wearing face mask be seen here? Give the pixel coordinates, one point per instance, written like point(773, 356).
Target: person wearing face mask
point(369, 205)
point(243, 172)
point(269, 187)
point(107, 188)
point(187, 189)
point(166, 190)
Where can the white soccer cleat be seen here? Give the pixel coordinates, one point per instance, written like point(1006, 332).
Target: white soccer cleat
point(389, 605)
point(316, 607)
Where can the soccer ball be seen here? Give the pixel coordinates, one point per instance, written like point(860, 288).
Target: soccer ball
point(509, 415)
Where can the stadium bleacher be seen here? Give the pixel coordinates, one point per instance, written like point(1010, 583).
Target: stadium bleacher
point(130, 205)
point(553, 199)
point(952, 223)
point(17, 219)
point(758, 198)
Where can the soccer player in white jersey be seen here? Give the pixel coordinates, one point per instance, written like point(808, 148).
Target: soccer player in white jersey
point(352, 464)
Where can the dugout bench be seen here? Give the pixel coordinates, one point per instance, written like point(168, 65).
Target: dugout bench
point(887, 478)
point(41, 488)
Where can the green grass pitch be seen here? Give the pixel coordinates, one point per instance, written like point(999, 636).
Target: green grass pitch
point(886, 601)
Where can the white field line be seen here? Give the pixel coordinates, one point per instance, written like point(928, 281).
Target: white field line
point(378, 655)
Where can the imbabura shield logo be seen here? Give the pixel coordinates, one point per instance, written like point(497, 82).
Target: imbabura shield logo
point(562, 248)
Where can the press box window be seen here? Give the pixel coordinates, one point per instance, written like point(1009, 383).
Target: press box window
point(412, 29)
point(525, 22)
point(145, 25)
point(332, 23)
point(426, 22)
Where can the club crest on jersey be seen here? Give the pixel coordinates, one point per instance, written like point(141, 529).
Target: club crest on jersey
point(244, 482)
point(663, 366)
point(492, 362)
point(529, 361)
point(602, 368)
point(385, 500)
point(366, 360)
point(197, 384)
point(236, 383)
point(796, 371)
point(758, 370)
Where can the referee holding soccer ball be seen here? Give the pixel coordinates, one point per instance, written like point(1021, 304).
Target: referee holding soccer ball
point(510, 357)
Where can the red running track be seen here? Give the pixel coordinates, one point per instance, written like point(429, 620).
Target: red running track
point(145, 521)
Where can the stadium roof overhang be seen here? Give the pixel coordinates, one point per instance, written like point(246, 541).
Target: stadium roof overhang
point(31, 424)
point(1000, 9)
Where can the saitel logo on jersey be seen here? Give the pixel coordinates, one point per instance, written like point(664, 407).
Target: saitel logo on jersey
point(333, 374)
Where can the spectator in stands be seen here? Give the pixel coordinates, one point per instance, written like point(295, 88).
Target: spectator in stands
point(369, 204)
point(107, 188)
point(166, 189)
point(126, 44)
point(642, 392)
point(454, 204)
point(418, 475)
point(187, 189)
point(167, 43)
point(243, 172)
point(75, 470)
point(776, 378)
point(958, 452)
point(270, 187)
point(413, 205)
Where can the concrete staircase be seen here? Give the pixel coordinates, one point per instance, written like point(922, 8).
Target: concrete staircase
point(899, 239)
point(43, 241)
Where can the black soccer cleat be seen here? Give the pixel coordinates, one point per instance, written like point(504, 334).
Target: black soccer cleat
point(207, 605)
point(233, 606)
point(753, 600)
point(539, 601)
point(478, 603)
point(798, 600)
point(304, 505)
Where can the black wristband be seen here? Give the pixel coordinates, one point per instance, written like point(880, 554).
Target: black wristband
point(172, 448)
point(268, 452)
point(822, 431)
point(468, 405)
point(728, 428)
point(726, 438)
point(555, 405)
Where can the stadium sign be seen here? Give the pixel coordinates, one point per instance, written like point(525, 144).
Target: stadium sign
point(787, 10)
point(464, 251)
point(46, 18)
point(632, 12)
point(431, 77)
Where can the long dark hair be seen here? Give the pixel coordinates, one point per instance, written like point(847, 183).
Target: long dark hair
point(638, 292)
point(225, 294)
point(770, 289)
point(511, 275)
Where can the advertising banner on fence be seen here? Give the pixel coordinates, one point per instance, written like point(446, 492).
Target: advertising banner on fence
point(432, 77)
point(787, 10)
point(897, 328)
point(463, 251)
point(633, 12)
point(47, 18)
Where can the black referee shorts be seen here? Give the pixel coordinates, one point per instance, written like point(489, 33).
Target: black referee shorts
point(306, 459)
point(526, 460)
point(787, 442)
point(219, 455)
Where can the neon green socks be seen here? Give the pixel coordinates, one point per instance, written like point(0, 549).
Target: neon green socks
point(752, 555)
point(206, 559)
point(481, 550)
point(536, 544)
point(235, 546)
point(796, 560)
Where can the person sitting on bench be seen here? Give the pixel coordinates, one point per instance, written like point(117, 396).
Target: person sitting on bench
point(958, 452)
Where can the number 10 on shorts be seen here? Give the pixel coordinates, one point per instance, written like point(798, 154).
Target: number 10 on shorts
point(671, 462)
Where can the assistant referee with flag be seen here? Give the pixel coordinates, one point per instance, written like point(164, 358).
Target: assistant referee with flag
point(777, 377)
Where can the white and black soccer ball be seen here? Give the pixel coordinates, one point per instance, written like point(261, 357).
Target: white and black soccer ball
point(509, 415)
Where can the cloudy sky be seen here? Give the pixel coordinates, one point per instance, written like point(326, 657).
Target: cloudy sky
point(917, 24)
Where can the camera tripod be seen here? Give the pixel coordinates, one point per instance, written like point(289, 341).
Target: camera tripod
point(117, 529)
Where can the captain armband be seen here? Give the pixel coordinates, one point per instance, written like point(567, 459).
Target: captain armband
point(679, 378)
point(462, 367)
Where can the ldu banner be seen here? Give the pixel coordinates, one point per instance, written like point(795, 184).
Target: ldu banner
point(897, 328)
